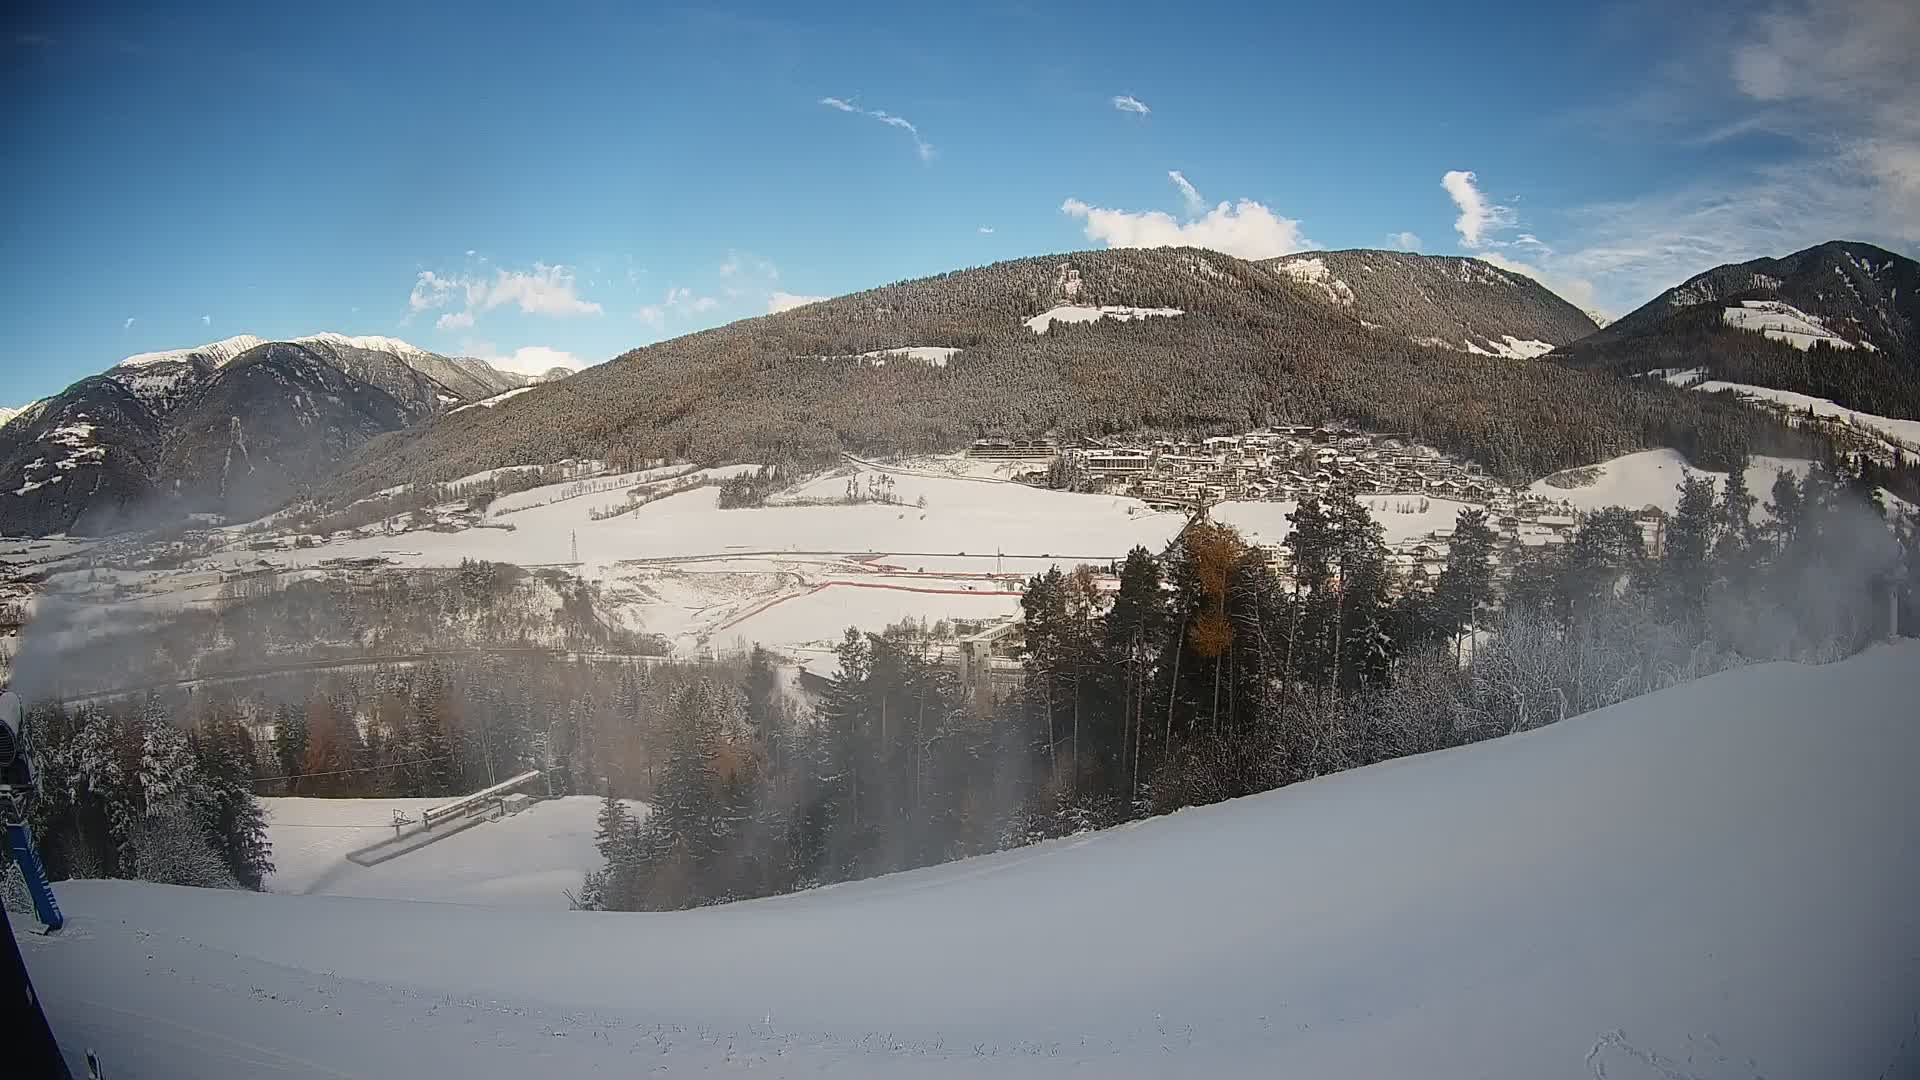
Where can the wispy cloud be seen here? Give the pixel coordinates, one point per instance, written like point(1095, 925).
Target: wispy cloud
point(920, 145)
point(526, 360)
point(746, 263)
point(786, 301)
point(1479, 215)
point(679, 300)
point(1831, 86)
point(1480, 225)
point(1127, 103)
point(1405, 241)
point(1188, 192)
point(543, 290)
point(985, 230)
point(128, 325)
point(1244, 228)
point(206, 320)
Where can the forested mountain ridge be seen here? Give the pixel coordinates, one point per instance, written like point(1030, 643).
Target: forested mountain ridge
point(234, 427)
point(1840, 320)
point(1249, 346)
point(1454, 303)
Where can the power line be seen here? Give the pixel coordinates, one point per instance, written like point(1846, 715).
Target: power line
point(364, 768)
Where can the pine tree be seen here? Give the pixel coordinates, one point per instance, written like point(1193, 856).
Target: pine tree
point(227, 811)
point(290, 744)
point(167, 777)
point(1689, 544)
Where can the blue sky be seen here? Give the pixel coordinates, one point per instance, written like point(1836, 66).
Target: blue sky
point(562, 183)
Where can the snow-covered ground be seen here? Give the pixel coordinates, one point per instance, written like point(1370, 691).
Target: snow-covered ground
point(1079, 313)
point(1890, 429)
point(488, 403)
point(527, 860)
point(1314, 272)
point(1400, 517)
point(1513, 348)
point(1783, 322)
point(931, 355)
point(1652, 478)
point(1713, 882)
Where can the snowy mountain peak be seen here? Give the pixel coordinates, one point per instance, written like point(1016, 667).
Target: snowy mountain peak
point(7, 414)
point(371, 343)
point(220, 352)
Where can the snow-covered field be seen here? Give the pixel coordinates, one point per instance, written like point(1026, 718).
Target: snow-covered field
point(1713, 882)
point(1888, 428)
point(1652, 478)
point(527, 860)
point(1783, 322)
point(1080, 313)
point(1400, 517)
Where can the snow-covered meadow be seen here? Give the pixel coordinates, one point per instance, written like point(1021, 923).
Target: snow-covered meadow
point(529, 860)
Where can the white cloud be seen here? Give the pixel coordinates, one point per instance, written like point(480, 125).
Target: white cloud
point(128, 325)
point(206, 320)
point(543, 290)
point(527, 360)
point(786, 301)
point(1195, 204)
point(747, 263)
point(1129, 104)
point(1245, 228)
point(471, 253)
point(985, 230)
point(1405, 241)
point(1479, 216)
point(679, 299)
point(920, 145)
point(429, 291)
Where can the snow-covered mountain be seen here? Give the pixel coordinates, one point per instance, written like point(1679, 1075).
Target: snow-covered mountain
point(1839, 321)
point(7, 414)
point(1853, 292)
point(1438, 301)
point(230, 426)
point(1714, 881)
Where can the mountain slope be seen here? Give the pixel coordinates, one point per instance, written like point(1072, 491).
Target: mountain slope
point(271, 423)
point(233, 427)
point(81, 460)
point(1714, 881)
point(1461, 304)
point(1840, 320)
point(1173, 338)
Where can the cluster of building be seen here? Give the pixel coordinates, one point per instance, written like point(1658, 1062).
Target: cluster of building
point(1291, 463)
point(1281, 463)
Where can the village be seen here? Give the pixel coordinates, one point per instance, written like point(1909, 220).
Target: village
point(1294, 462)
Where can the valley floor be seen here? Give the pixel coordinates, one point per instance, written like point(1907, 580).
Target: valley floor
point(1712, 882)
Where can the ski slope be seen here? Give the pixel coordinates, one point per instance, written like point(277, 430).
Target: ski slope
point(1713, 882)
point(527, 860)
